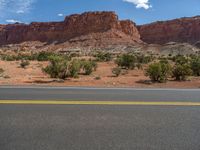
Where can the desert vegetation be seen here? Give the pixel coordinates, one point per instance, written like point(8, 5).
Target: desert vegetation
point(61, 68)
point(155, 68)
point(159, 71)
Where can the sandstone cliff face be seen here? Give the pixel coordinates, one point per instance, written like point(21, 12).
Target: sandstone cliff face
point(103, 26)
point(178, 30)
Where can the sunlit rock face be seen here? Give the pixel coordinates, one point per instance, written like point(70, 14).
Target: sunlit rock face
point(93, 28)
point(177, 30)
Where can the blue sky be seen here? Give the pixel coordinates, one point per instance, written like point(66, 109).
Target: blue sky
point(140, 11)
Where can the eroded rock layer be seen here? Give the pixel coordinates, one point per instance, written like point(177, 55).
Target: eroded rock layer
point(183, 30)
point(97, 26)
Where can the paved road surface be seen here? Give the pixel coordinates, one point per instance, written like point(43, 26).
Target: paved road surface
point(118, 94)
point(99, 127)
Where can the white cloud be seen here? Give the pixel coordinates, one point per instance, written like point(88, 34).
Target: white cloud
point(13, 21)
point(140, 3)
point(60, 15)
point(16, 6)
point(20, 12)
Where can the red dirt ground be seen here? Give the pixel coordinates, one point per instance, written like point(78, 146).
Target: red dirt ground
point(33, 75)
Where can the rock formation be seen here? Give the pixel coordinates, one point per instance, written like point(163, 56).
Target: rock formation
point(183, 30)
point(91, 28)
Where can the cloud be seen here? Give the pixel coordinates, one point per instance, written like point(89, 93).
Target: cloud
point(140, 3)
point(16, 6)
point(13, 21)
point(60, 15)
point(20, 12)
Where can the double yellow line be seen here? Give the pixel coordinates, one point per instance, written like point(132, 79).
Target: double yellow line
point(137, 103)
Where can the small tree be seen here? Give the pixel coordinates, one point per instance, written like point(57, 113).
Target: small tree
point(181, 72)
point(116, 71)
point(24, 63)
point(58, 67)
point(195, 66)
point(126, 61)
point(159, 72)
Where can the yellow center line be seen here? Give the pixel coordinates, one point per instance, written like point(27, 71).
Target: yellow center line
point(139, 103)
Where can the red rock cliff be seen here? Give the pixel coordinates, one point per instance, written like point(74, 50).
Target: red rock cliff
point(178, 30)
point(72, 27)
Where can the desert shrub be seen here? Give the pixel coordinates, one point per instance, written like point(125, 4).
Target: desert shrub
point(94, 64)
point(164, 60)
point(97, 78)
point(74, 68)
point(8, 57)
point(159, 72)
point(116, 71)
point(181, 72)
point(88, 66)
point(29, 57)
point(126, 61)
point(45, 56)
point(144, 59)
point(58, 67)
point(180, 59)
point(103, 57)
point(19, 57)
point(24, 63)
point(195, 66)
point(1, 72)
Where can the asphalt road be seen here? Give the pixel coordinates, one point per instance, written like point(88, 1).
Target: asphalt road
point(99, 127)
point(116, 94)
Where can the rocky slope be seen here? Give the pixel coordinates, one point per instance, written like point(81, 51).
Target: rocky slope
point(183, 30)
point(96, 29)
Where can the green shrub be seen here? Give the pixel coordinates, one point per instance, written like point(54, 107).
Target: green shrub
point(116, 71)
point(159, 72)
point(1, 72)
point(88, 66)
point(181, 72)
point(8, 57)
point(62, 68)
point(94, 64)
point(180, 59)
point(74, 68)
point(45, 56)
point(103, 57)
point(144, 59)
point(58, 67)
point(26, 57)
point(126, 61)
point(195, 66)
point(164, 61)
point(24, 63)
